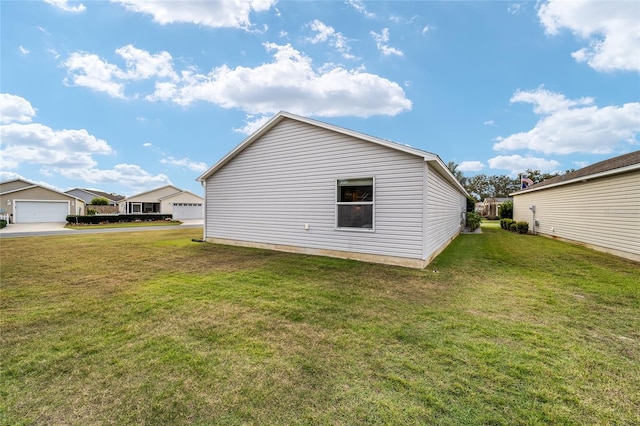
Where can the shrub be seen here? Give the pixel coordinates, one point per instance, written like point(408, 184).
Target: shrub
point(473, 221)
point(99, 201)
point(3, 223)
point(506, 223)
point(471, 204)
point(115, 218)
point(522, 227)
point(513, 227)
point(506, 210)
point(91, 212)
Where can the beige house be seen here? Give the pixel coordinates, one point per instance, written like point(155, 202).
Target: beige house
point(23, 202)
point(165, 200)
point(597, 206)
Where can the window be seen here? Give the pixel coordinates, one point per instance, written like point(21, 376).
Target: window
point(354, 199)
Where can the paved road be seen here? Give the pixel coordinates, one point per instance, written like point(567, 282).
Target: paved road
point(14, 230)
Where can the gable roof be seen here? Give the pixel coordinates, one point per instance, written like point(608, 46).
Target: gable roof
point(166, 197)
point(621, 164)
point(22, 183)
point(31, 185)
point(426, 156)
point(149, 192)
point(96, 193)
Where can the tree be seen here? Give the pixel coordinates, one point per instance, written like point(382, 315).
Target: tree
point(453, 168)
point(506, 210)
point(478, 186)
point(503, 185)
point(99, 201)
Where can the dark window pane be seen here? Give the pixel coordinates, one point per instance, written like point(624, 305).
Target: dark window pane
point(355, 216)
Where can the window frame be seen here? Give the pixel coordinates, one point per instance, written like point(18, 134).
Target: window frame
point(372, 203)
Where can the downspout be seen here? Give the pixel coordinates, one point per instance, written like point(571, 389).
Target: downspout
point(204, 213)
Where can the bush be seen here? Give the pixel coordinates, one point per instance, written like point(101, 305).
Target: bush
point(99, 201)
point(506, 210)
point(91, 212)
point(3, 223)
point(513, 227)
point(473, 221)
point(506, 223)
point(522, 227)
point(471, 204)
point(116, 218)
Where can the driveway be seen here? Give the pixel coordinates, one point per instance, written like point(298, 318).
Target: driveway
point(57, 228)
point(21, 228)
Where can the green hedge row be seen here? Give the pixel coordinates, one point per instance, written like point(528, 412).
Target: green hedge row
point(116, 218)
point(3, 223)
point(513, 226)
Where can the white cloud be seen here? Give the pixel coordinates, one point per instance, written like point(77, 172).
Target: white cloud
point(326, 33)
point(142, 65)
point(185, 163)
point(427, 28)
point(289, 82)
point(215, 14)
point(381, 42)
point(64, 5)
point(23, 50)
point(489, 123)
point(515, 8)
point(546, 102)
point(88, 70)
point(147, 144)
point(471, 166)
point(611, 29)
point(516, 164)
point(360, 7)
point(129, 175)
point(36, 143)
point(253, 123)
point(15, 108)
point(570, 126)
point(69, 153)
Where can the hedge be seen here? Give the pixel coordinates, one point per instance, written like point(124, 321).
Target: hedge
point(3, 223)
point(116, 218)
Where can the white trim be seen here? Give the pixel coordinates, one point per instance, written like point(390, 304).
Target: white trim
point(585, 178)
point(360, 203)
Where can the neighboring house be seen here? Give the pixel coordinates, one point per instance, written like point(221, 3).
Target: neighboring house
point(490, 207)
point(165, 200)
point(597, 206)
point(87, 195)
point(25, 202)
point(304, 186)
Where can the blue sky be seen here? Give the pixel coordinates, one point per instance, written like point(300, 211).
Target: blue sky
point(126, 96)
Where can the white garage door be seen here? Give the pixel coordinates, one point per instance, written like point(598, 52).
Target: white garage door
point(41, 211)
point(182, 211)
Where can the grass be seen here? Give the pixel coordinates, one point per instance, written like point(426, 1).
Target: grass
point(125, 224)
point(152, 328)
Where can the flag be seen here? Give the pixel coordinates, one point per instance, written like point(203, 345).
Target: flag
point(525, 182)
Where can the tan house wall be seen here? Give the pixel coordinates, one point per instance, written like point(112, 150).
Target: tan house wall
point(166, 205)
point(602, 213)
point(39, 194)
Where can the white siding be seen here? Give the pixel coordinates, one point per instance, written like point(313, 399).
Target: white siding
point(287, 179)
point(444, 206)
point(602, 213)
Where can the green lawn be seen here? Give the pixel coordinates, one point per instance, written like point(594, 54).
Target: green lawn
point(152, 328)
